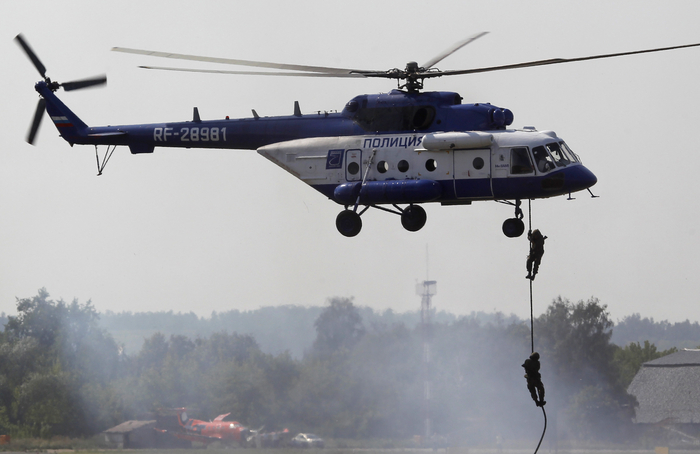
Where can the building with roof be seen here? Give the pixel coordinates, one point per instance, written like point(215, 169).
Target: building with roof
point(132, 434)
point(668, 392)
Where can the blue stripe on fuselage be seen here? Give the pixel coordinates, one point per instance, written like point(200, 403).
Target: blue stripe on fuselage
point(563, 181)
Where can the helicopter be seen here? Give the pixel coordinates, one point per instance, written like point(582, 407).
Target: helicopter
point(390, 151)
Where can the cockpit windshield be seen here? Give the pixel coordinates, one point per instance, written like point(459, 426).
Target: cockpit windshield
point(562, 155)
point(543, 160)
point(569, 152)
point(558, 154)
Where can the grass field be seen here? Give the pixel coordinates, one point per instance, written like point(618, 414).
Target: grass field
point(369, 451)
point(95, 445)
point(22, 447)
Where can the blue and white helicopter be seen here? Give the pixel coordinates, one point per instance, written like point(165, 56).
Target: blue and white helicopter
point(384, 151)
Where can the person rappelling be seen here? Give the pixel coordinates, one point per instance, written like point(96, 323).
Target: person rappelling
point(534, 379)
point(536, 251)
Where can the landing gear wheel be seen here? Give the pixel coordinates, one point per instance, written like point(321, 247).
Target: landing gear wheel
point(348, 223)
point(413, 218)
point(513, 227)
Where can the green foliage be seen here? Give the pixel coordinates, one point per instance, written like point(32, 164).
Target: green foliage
point(575, 339)
point(338, 327)
point(600, 413)
point(3, 321)
point(630, 358)
point(663, 334)
point(54, 353)
point(63, 374)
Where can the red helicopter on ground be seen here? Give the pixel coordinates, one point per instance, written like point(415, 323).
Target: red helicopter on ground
point(226, 432)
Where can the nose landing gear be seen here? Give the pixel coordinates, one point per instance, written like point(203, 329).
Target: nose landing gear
point(514, 227)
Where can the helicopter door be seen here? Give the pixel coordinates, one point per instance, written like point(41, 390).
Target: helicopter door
point(353, 165)
point(472, 173)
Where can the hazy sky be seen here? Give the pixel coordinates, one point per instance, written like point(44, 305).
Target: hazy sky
point(215, 230)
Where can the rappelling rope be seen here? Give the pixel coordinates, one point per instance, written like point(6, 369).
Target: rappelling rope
point(543, 431)
point(532, 318)
point(532, 324)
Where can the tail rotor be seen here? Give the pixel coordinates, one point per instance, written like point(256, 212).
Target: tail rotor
point(40, 109)
point(53, 86)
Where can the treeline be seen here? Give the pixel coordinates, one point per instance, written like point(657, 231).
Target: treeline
point(291, 328)
point(663, 334)
point(62, 374)
point(277, 329)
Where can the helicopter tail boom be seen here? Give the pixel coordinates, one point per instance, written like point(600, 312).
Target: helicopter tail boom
point(69, 125)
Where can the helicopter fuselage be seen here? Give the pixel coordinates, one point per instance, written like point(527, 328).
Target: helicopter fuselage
point(450, 168)
point(386, 113)
point(386, 149)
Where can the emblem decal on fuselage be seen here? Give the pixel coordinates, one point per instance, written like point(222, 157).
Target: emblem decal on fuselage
point(334, 159)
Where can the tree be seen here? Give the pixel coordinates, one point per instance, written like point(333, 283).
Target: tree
point(577, 352)
point(630, 358)
point(339, 326)
point(56, 350)
point(575, 340)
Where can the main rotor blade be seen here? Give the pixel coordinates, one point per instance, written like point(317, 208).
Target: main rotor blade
point(38, 115)
point(84, 83)
point(32, 56)
point(231, 61)
point(250, 73)
point(455, 47)
point(554, 61)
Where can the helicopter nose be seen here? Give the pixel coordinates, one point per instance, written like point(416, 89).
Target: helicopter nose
point(579, 178)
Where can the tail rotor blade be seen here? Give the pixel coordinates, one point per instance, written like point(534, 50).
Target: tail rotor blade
point(32, 56)
point(40, 109)
point(85, 83)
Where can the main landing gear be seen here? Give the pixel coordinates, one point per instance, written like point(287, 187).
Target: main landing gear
point(514, 227)
point(349, 223)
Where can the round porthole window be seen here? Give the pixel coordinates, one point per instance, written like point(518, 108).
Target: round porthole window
point(402, 166)
point(478, 163)
point(382, 166)
point(430, 165)
point(353, 168)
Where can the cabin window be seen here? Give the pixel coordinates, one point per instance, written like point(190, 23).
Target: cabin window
point(520, 161)
point(543, 160)
point(560, 157)
point(430, 165)
point(478, 163)
point(403, 166)
point(382, 166)
point(353, 168)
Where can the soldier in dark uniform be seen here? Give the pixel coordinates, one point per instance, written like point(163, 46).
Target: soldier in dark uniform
point(536, 252)
point(534, 379)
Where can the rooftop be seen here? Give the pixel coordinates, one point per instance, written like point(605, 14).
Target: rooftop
point(128, 426)
point(666, 389)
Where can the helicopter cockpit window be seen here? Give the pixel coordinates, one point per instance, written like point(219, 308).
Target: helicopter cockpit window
point(543, 160)
point(560, 156)
point(569, 152)
point(520, 161)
